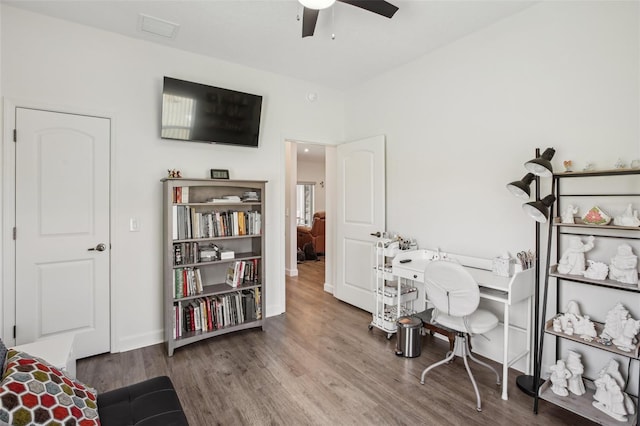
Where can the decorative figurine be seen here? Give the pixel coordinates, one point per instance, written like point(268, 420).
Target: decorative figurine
point(609, 397)
point(635, 164)
point(614, 322)
point(620, 164)
point(596, 270)
point(628, 218)
point(568, 165)
point(572, 322)
point(596, 216)
point(174, 173)
point(557, 325)
point(624, 265)
point(559, 375)
point(567, 216)
point(573, 261)
point(589, 167)
point(574, 365)
point(627, 340)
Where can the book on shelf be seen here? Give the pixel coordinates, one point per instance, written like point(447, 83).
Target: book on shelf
point(180, 194)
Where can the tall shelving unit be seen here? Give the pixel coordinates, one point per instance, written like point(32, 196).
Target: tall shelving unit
point(582, 405)
point(195, 225)
point(394, 297)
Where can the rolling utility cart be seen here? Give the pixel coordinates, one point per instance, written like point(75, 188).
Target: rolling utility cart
point(393, 297)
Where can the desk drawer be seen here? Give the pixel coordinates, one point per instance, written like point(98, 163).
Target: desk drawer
point(409, 274)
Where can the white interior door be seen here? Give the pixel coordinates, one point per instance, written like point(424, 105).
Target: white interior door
point(62, 228)
point(361, 201)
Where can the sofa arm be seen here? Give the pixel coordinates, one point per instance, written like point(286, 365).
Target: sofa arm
point(153, 402)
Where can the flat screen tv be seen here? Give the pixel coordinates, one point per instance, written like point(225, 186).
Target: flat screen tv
point(201, 113)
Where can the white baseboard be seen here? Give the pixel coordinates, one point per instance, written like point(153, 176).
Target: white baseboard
point(140, 340)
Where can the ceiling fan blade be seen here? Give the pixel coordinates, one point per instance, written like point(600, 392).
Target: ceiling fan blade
point(380, 7)
point(309, 19)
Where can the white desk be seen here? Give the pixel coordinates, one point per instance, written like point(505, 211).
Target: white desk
point(506, 290)
point(57, 351)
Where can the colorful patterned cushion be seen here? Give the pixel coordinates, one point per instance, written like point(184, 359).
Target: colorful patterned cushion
point(33, 391)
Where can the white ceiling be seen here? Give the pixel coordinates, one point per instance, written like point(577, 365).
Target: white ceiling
point(267, 34)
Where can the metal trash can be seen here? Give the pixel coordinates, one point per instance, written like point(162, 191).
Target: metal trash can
point(409, 337)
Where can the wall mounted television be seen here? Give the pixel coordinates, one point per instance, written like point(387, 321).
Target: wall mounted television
point(200, 113)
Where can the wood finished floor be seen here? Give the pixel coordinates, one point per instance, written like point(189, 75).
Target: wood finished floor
point(318, 364)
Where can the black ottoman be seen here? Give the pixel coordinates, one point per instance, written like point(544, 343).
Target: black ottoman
point(153, 402)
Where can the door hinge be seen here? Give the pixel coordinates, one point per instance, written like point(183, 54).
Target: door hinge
point(15, 135)
point(14, 232)
point(14, 332)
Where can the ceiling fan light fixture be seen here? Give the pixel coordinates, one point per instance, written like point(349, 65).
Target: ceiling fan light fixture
point(317, 4)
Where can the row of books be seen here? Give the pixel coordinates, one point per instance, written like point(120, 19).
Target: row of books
point(215, 312)
point(189, 223)
point(243, 271)
point(186, 253)
point(180, 194)
point(187, 282)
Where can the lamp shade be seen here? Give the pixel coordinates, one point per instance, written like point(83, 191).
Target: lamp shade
point(541, 166)
point(317, 4)
point(521, 188)
point(539, 210)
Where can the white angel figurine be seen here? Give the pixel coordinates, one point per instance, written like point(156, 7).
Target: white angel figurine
point(569, 212)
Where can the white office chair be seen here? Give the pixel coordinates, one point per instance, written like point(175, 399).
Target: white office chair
point(455, 295)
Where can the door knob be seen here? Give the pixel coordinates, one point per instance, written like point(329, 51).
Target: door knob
point(99, 247)
point(376, 234)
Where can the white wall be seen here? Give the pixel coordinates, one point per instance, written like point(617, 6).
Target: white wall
point(461, 121)
point(55, 62)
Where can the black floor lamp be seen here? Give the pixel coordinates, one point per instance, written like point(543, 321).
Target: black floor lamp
point(540, 166)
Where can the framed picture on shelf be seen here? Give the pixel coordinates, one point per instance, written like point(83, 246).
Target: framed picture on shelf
point(219, 174)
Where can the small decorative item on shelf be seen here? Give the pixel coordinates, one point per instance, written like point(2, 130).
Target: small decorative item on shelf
point(573, 322)
point(609, 397)
point(596, 270)
point(573, 261)
point(628, 218)
point(621, 328)
point(635, 164)
point(174, 173)
point(620, 164)
point(559, 378)
point(567, 215)
point(624, 265)
point(568, 165)
point(596, 216)
point(589, 167)
point(574, 365)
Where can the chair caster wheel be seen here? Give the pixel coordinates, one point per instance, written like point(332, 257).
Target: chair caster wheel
point(389, 335)
point(370, 327)
point(479, 410)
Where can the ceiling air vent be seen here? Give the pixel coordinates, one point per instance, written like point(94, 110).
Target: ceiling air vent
point(152, 25)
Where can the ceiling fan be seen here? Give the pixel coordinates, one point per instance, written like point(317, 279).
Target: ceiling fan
point(313, 7)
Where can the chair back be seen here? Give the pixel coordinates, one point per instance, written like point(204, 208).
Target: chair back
point(451, 288)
